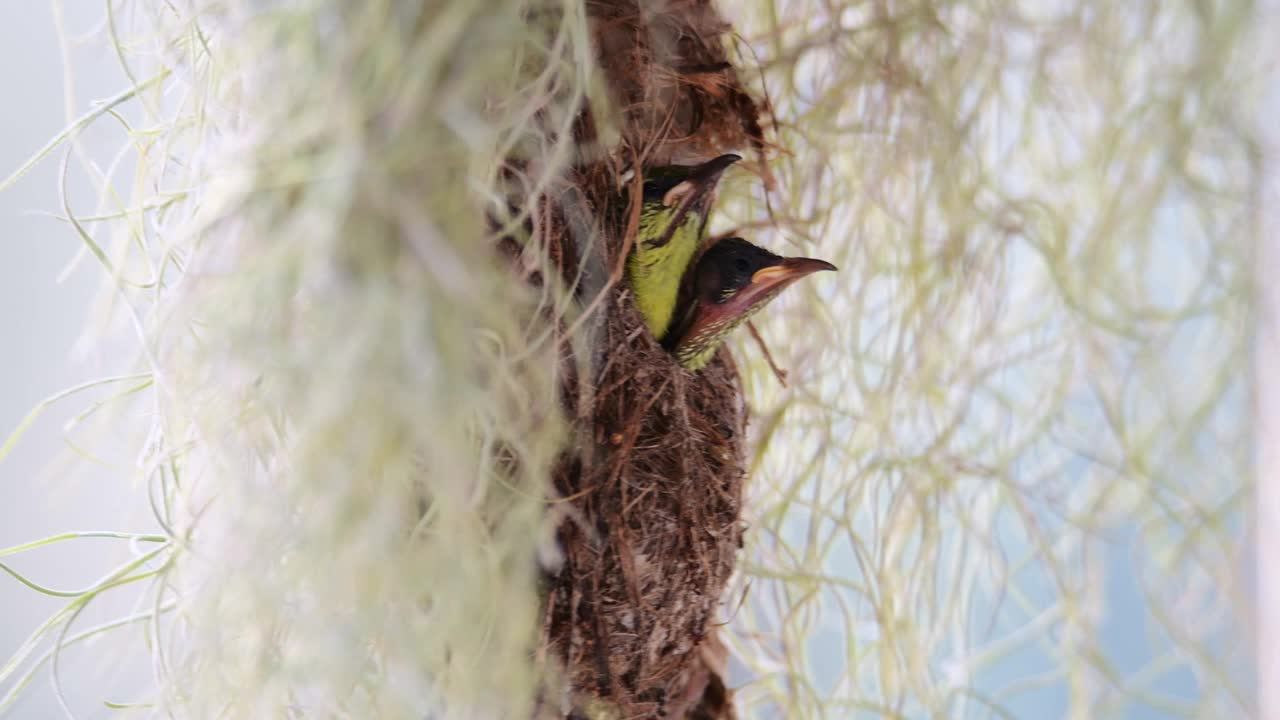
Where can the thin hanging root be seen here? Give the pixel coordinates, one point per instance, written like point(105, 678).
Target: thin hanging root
point(768, 356)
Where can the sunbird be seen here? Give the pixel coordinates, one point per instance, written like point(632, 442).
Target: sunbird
point(673, 222)
point(731, 282)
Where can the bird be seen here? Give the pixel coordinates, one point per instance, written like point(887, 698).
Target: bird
point(732, 281)
point(673, 221)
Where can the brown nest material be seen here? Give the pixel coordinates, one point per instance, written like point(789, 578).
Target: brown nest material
point(681, 100)
point(657, 488)
point(651, 491)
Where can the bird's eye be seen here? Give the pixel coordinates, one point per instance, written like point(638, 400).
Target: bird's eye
point(741, 265)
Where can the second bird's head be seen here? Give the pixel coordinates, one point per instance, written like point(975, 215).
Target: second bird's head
point(731, 282)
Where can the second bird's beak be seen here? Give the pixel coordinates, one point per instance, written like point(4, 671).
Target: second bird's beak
point(769, 281)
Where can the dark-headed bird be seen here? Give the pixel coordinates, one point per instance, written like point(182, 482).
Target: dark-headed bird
point(731, 282)
point(673, 223)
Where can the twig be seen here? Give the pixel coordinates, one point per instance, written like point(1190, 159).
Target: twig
point(777, 371)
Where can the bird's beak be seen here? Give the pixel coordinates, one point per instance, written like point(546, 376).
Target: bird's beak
point(788, 271)
point(710, 171)
point(700, 182)
point(769, 281)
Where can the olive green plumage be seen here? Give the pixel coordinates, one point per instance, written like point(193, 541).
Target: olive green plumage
point(731, 282)
point(673, 222)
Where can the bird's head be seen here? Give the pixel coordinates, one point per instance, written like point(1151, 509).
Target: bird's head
point(731, 282)
point(676, 193)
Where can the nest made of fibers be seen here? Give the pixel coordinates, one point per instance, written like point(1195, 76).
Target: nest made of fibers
point(657, 464)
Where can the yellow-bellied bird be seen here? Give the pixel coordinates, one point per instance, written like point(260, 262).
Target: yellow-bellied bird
point(673, 223)
point(731, 282)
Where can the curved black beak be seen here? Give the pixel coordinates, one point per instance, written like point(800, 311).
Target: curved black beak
point(712, 169)
point(701, 179)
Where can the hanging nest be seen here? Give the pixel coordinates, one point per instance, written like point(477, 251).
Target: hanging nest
point(656, 487)
point(650, 492)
